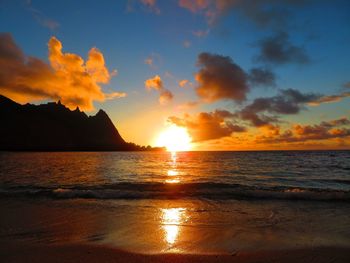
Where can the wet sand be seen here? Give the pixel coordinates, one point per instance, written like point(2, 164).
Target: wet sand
point(69, 253)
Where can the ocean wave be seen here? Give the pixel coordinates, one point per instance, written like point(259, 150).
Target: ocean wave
point(215, 191)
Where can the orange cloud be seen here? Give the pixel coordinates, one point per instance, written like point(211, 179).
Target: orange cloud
point(156, 83)
point(67, 78)
point(208, 125)
point(184, 82)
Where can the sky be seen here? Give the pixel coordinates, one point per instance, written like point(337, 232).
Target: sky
point(235, 74)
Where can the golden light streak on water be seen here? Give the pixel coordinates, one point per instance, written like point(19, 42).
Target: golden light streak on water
point(172, 218)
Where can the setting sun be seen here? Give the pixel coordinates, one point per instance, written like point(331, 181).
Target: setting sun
point(174, 139)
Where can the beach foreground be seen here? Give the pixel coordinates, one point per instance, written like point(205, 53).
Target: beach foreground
point(91, 253)
point(162, 207)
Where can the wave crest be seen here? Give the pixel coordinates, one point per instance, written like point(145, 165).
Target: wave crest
point(213, 191)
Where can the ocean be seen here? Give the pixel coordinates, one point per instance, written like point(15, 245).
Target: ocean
point(184, 202)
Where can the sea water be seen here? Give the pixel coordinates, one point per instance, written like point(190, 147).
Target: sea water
point(184, 202)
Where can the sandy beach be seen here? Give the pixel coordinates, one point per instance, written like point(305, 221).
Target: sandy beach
point(17, 253)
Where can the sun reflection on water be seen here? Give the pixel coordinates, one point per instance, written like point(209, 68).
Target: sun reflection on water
point(173, 157)
point(172, 181)
point(172, 218)
point(173, 173)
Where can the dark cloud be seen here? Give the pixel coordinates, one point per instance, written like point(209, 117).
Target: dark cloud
point(277, 49)
point(266, 110)
point(264, 13)
point(67, 78)
point(262, 77)
point(9, 50)
point(208, 125)
point(289, 101)
point(257, 120)
point(220, 78)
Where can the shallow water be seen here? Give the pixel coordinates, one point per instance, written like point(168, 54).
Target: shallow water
point(195, 202)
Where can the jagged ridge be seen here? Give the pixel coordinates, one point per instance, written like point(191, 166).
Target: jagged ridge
point(54, 127)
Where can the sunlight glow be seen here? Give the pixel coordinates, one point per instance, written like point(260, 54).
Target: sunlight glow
point(171, 219)
point(172, 173)
point(175, 139)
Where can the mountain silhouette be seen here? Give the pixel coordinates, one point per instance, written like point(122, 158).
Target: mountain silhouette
point(54, 127)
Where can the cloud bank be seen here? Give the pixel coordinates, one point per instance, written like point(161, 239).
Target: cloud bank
point(289, 101)
point(334, 129)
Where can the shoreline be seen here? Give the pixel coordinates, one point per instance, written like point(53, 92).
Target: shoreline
point(89, 253)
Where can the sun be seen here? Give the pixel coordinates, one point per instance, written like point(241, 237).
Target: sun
point(175, 139)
